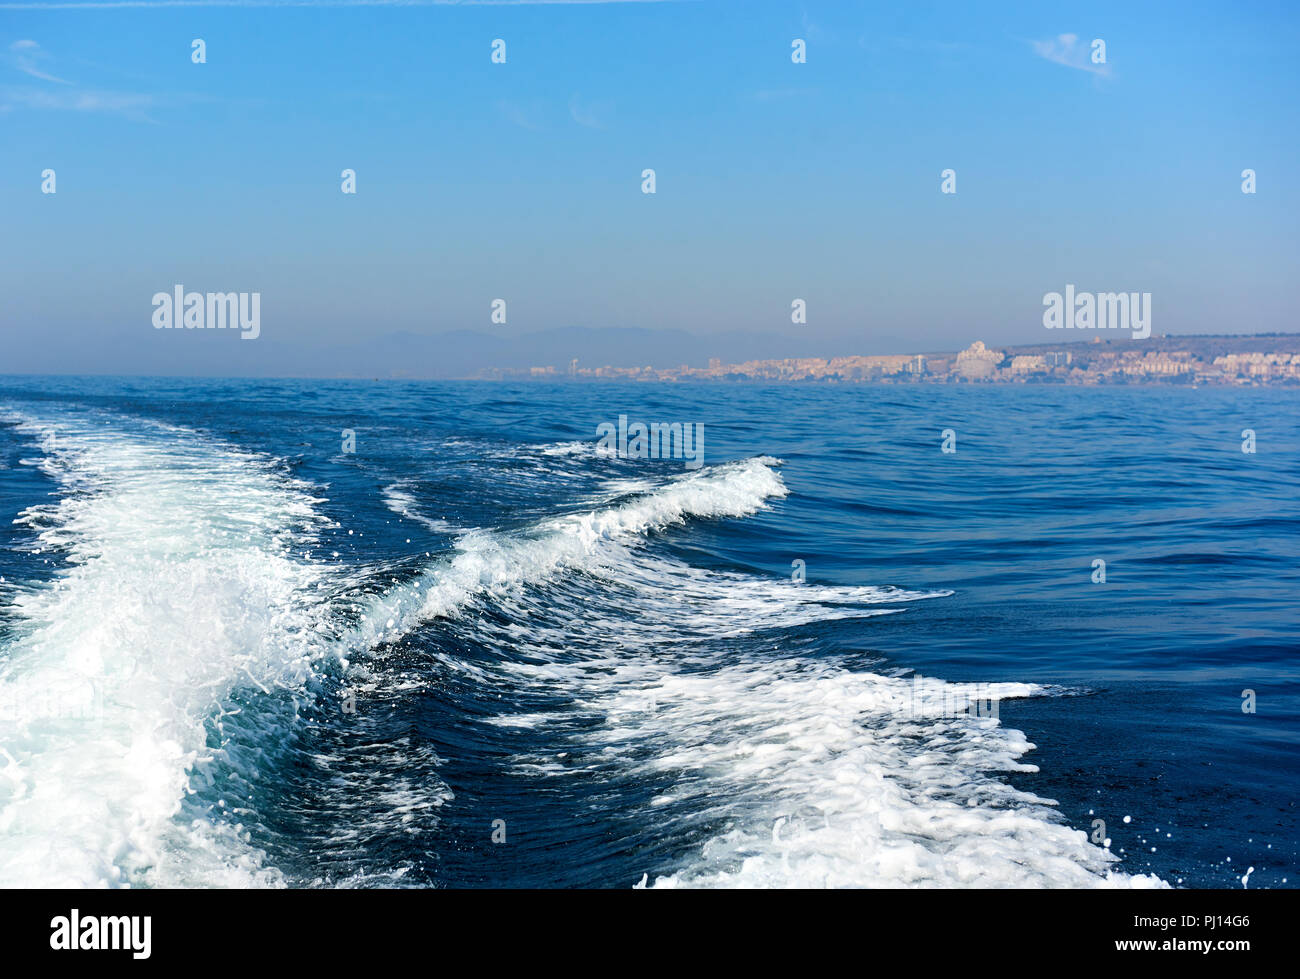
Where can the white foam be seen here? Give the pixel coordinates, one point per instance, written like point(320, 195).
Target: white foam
point(490, 565)
point(800, 772)
point(812, 773)
point(398, 498)
point(182, 586)
point(832, 778)
point(569, 448)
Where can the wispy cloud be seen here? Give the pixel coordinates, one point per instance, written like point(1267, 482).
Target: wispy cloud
point(1065, 49)
point(120, 4)
point(592, 114)
point(79, 100)
point(26, 55)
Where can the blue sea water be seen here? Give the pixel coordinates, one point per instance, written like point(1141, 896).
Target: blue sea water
point(478, 651)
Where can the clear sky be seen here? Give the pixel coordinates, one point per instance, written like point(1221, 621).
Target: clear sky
point(522, 180)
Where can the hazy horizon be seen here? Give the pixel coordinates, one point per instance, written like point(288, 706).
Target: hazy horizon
point(461, 355)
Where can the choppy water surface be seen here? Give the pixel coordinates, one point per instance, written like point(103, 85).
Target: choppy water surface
point(233, 653)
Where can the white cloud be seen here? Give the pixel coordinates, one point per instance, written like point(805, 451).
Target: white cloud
point(1065, 49)
point(26, 56)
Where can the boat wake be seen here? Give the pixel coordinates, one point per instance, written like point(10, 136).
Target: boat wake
point(160, 677)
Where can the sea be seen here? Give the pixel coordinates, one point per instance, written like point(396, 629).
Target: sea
point(305, 633)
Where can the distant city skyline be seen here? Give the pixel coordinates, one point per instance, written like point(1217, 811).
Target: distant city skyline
point(775, 181)
point(1197, 360)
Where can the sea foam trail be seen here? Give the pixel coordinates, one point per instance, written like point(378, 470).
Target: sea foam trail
point(489, 565)
point(796, 770)
point(184, 584)
point(822, 775)
point(836, 778)
point(818, 775)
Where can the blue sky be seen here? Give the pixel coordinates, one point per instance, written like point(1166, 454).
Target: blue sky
point(521, 181)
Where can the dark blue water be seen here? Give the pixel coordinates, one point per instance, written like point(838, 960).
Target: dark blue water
point(475, 651)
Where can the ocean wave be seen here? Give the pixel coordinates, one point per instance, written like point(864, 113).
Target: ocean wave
point(184, 586)
point(192, 617)
point(486, 564)
point(796, 772)
point(833, 778)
